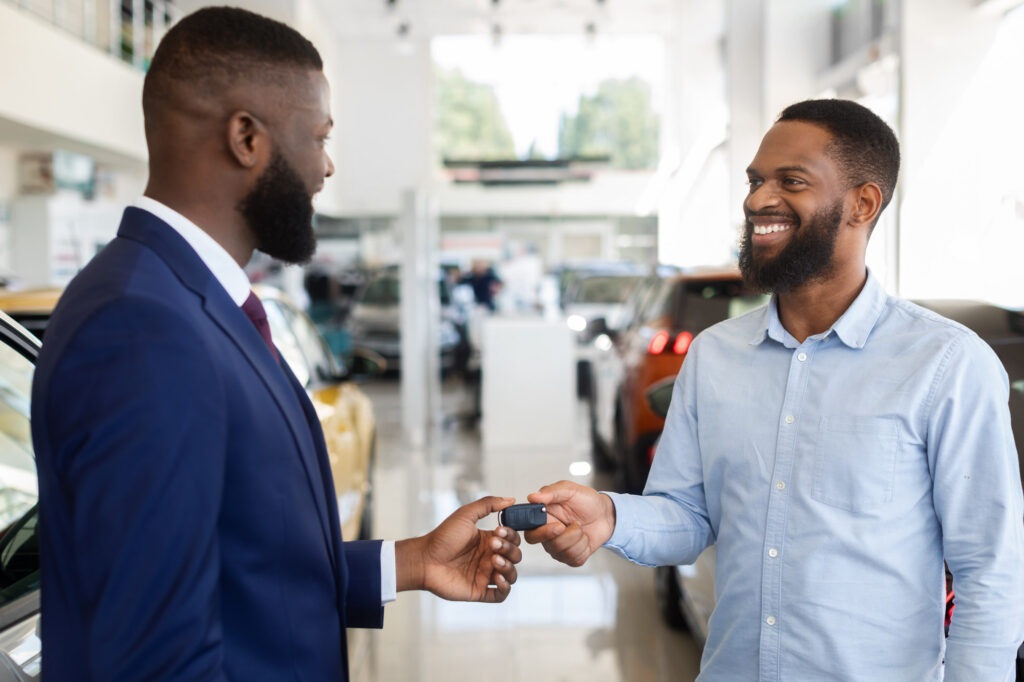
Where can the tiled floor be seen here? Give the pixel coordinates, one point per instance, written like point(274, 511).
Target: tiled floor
point(598, 623)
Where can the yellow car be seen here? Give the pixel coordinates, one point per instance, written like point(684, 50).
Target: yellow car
point(346, 414)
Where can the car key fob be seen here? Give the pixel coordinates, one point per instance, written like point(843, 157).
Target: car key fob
point(523, 516)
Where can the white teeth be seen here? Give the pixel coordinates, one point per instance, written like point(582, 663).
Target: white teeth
point(768, 229)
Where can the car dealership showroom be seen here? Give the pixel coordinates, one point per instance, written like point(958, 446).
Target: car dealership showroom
point(545, 239)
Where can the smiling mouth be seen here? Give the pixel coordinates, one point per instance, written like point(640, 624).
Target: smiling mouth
point(772, 228)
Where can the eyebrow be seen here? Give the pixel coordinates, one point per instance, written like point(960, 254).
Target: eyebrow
point(783, 169)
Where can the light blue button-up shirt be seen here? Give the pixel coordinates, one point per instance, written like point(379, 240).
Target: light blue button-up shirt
point(834, 476)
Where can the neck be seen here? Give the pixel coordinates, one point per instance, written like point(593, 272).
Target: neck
point(814, 307)
point(212, 214)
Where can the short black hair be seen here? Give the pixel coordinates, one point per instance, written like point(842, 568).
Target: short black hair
point(214, 47)
point(863, 145)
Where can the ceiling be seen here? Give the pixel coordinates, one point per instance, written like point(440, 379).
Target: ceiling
point(427, 18)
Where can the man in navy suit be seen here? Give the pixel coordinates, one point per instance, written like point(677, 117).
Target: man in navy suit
point(189, 528)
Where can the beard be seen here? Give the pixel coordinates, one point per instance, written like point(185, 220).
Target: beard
point(807, 256)
point(279, 211)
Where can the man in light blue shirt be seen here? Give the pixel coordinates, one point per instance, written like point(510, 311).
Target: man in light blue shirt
point(835, 445)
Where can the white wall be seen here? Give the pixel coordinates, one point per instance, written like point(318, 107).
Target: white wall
point(963, 183)
point(55, 83)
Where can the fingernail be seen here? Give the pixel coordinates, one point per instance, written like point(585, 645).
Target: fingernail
point(499, 561)
point(495, 544)
point(502, 532)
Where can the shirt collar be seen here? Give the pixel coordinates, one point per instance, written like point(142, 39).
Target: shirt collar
point(852, 328)
point(214, 256)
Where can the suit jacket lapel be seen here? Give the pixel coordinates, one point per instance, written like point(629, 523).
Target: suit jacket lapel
point(146, 228)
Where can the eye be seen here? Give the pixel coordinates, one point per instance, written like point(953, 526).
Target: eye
point(753, 184)
point(792, 182)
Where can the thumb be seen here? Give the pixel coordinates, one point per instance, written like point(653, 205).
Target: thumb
point(563, 491)
point(485, 505)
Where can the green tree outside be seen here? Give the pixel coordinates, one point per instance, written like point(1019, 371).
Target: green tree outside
point(616, 121)
point(470, 124)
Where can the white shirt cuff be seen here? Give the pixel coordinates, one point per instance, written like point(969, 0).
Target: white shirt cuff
point(388, 572)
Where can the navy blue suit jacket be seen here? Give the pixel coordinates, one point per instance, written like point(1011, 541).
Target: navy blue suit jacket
point(188, 522)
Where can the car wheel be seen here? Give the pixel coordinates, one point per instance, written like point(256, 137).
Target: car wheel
point(669, 595)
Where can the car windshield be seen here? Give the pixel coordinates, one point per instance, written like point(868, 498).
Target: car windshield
point(381, 291)
point(701, 304)
point(604, 289)
point(18, 488)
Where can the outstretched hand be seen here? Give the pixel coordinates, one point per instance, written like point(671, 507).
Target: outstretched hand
point(580, 520)
point(460, 562)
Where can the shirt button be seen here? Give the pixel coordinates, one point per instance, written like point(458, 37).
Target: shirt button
point(790, 419)
point(773, 552)
point(770, 620)
point(801, 357)
point(780, 485)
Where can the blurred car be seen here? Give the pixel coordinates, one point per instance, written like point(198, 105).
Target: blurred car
point(20, 645)
point(346, 414)
point(686, 594)
point(30, 307)
point(673, 309)
point(592, 295)
point(374, 322)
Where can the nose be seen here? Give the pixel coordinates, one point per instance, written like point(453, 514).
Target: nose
point(329, 170)
point(761, 197)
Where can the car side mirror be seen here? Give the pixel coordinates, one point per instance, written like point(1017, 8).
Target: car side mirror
point(659, 397)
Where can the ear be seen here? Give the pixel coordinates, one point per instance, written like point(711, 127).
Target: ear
point(247, 139)
point(867, 204)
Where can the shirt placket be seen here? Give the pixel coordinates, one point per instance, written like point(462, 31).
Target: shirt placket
point(778, 509)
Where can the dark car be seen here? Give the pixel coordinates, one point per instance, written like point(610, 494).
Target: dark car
point(374, 321)
point(20, 645)
point(686, 593)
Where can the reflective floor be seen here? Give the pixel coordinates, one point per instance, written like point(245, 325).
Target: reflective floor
point(598, 623)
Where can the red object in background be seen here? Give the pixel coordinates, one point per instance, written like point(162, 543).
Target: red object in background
point(658, 343)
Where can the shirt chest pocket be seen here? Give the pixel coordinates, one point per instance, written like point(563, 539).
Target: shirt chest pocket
point(855, 462)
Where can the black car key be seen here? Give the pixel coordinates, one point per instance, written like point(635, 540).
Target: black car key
point(523, 516)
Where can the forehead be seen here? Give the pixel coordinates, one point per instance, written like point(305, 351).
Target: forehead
point(790, 144)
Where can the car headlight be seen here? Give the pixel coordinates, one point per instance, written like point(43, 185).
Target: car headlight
point(577, 323)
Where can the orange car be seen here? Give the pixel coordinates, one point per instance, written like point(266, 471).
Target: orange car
point(346, 414)
point(651, 349)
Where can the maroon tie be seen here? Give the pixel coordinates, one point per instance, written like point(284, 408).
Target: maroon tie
point(253, 309)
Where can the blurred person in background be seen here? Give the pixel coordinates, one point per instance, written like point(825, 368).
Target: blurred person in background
point(189, 526)
point(485, 282)
point(837, 445)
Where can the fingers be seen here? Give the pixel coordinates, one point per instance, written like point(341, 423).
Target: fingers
point(499, 591)
point(563, 491)
point(508, 534)
point(505, 551)
point(571, 546)
point(545, 532)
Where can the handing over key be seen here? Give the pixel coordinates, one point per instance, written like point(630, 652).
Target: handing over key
point(580, 520)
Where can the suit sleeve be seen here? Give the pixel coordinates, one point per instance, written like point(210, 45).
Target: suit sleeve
point(363, 608)
point(977, 497)
point(136, 425)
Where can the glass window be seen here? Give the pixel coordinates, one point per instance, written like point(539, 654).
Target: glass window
point(700, 304)
point(314, 348)
point(286, 342)
point(18, 489)
point(19, 547)
point(381, 291)
point(605, 289)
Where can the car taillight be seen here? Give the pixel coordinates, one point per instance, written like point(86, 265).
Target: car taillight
point(659, 343)
point(682, 343)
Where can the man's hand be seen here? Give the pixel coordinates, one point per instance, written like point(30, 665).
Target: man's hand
point(580, 520)
point(460, 562)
